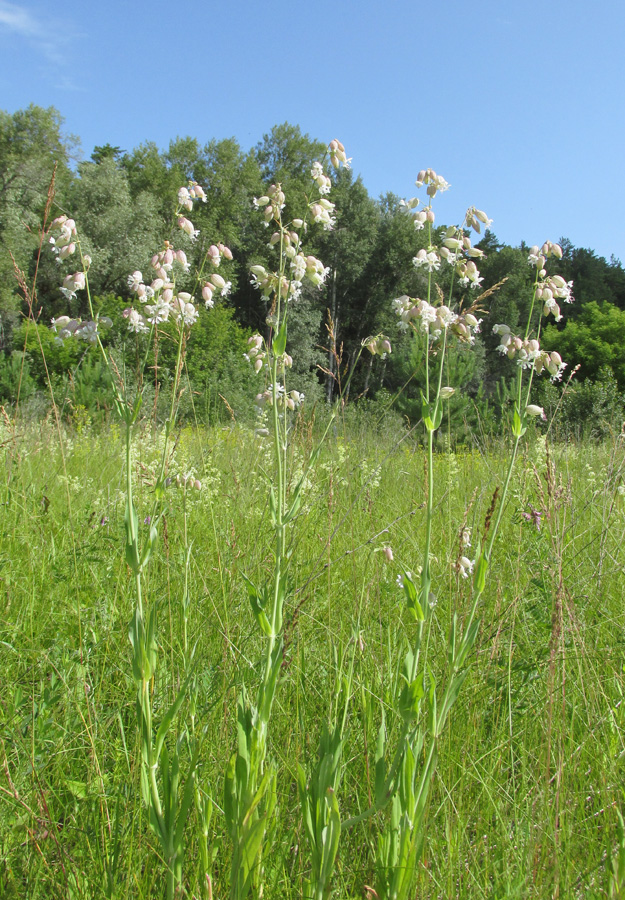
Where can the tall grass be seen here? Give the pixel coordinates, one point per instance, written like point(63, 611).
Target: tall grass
point(530, 773)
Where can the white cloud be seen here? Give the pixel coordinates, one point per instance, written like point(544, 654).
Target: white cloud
point(42, 33)
point(17, 19)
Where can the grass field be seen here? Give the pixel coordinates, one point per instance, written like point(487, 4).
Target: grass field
point(528, 789)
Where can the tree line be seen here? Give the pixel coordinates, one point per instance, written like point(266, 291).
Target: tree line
point(123, 201)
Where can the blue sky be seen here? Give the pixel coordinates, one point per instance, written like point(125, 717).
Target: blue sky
point(518, 105)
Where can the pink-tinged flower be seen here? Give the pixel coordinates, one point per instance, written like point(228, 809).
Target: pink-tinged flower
point(378, 346)
point(134, 281)
point(221, 284)
point(196, 191)
point(475, 218)
point(66, 251)
point(434, 182)
point(188, 228)
point(207, 295)
point(73, 283)
point(337, 155)
point(321, 213)
point(213, 254)
point(183, 310)
point(535, 516)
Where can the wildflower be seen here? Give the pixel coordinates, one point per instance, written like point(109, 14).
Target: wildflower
point(136, 322)
point(446, 392)
point(535, 516)
point(434, 182)
point(221, 284)
point(337, 155)
point(465, 566)
point(196, 192)
point(320, 178)
point(188, 228)
point(135, 281)
point(428, 259)
point(475, 218)
point(380, 345)
point(466, 537)
point(207, 295)
point(533, 410)
point(184, 199)
point(388, 552)
point(321, 213)
point(183, 309)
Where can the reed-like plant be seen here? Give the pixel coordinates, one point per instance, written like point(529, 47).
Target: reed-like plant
point(422, 705)
point(162, 311)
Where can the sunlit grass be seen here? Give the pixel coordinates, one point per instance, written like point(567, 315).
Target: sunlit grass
point(530, 772)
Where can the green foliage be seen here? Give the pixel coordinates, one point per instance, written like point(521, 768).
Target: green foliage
point(590, 409)
point(16, 381)
point(32, 150)
point(595, 340)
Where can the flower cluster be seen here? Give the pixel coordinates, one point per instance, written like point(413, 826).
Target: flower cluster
point(456, 249)
point(538, 256)
point(65, 327)
point(186, 195)
point(552, 289)
point(434, 320)
point(434, 182)
point(284, 400)
point(337, 155)
point(62, 237)
point(256, 354)
point(528, 354)
point(321, 213)
point(273, 202)
point(160, 298)
point(320, 178)
point(378, 346)
point(465, 566)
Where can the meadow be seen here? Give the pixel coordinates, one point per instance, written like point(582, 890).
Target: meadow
point(526, 797)
point(322, 650)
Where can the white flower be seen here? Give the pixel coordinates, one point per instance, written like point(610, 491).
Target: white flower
point(465, 566)
point(429, 260)
point(136, 322)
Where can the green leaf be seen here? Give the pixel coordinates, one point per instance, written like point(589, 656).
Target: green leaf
point(273, 507)
point(169, 716)
point(258, 601)
point(412, 600)
point(452, 696)
point(518, 424)
point(410, 698)
point(380, 766)
point(279, 341)
point(479, 576)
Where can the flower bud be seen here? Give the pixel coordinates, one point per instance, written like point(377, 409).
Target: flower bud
point(533, 410)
